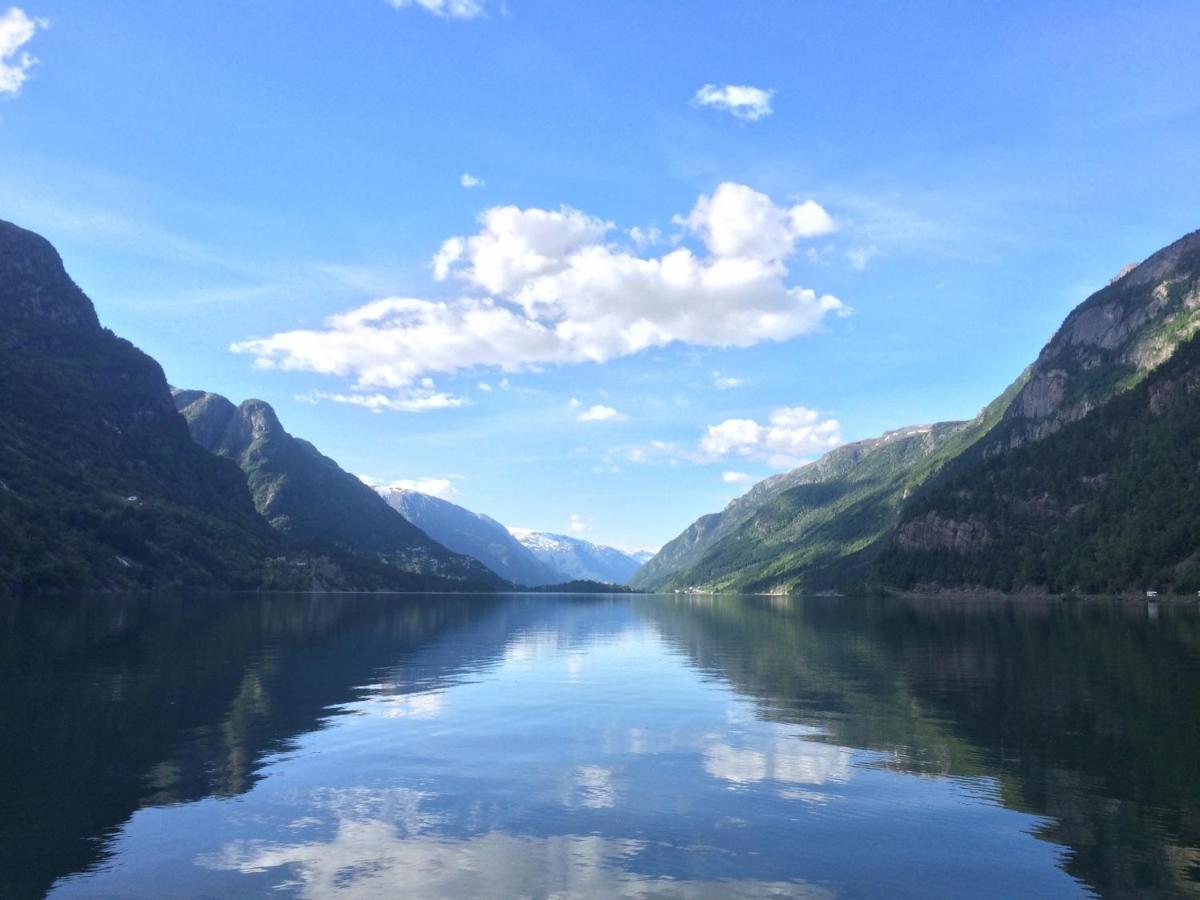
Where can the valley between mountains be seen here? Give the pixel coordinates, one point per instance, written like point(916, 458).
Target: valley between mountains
point(1080, 477)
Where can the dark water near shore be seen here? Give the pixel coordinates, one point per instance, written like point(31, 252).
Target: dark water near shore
point(535, 745)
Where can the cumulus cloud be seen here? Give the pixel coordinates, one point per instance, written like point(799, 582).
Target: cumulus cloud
point(470, 181)
point(546, 287)
point(600, 413)
point(791, 437)
point(739, 222)
point(577, 524)
point(736, 478)
point(16, 30)
point(742, 100)
point(446, 9)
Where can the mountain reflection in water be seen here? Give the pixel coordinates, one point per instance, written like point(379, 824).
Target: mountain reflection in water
point(592, 746)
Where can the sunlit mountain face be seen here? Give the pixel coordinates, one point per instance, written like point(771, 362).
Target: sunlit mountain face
point(533, 744)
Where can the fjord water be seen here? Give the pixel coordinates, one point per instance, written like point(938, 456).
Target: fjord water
point(538, 745)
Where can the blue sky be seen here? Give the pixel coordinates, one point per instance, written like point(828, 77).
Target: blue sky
point(883, 232)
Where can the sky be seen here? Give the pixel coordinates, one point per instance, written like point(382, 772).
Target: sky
point(595, 268)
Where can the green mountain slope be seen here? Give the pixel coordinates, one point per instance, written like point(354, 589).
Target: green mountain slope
point(311, 500)
point(100, 484)
point(824, 525)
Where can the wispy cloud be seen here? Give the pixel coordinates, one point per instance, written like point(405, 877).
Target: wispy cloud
point(471, 181)
point(422, 398)
point(741, 100)
point(723, 382)
point(446, 9)
point(858, 257)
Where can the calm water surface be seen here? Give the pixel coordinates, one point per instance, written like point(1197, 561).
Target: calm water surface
point(537, 745)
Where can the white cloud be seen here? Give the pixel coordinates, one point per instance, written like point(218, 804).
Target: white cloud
point(543, 287)
point(645, 237)
point(16, 30)
point(790, 436)
point(599, 413)
point(470, 181)
point(860, 256)
point(485, 387)
point(434, 487)
point(736, 478)
point(742, 100)
point(577, 524)
point(447, 9)
point(739, 222)
point(723, 382)
point(422, 398)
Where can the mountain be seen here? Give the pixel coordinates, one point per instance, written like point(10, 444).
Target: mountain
point(473, 534)
point(1089, 482)
point(808, 528)
point(100, 484)
point(880, 510)
point(312, 501)
point(578, 560)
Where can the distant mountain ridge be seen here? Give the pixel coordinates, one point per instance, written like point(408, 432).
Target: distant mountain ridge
point(473, 534)
point(307, 497)
point(577, 559)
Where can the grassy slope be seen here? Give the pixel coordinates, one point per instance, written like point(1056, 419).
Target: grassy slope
point(824, 534)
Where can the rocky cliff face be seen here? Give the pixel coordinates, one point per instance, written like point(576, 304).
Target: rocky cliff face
point(38, 300)
point(1108, 344)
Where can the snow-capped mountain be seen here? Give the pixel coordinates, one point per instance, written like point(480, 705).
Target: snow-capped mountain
point(472, 534)
point(578, 559)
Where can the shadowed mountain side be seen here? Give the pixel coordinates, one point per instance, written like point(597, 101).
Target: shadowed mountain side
point(100, 485)
point(310, 500)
